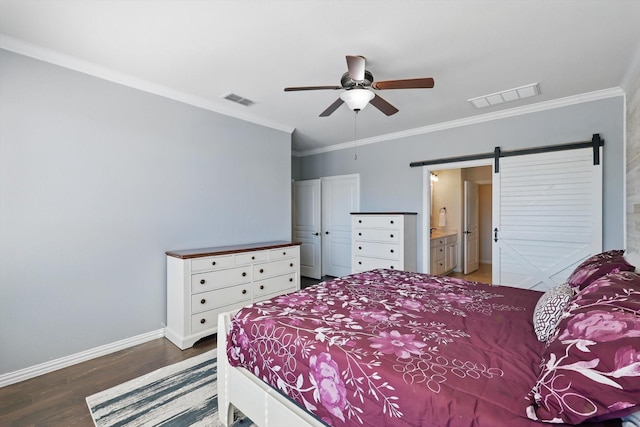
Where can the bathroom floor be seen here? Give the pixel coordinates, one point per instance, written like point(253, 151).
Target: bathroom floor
point(482, 274)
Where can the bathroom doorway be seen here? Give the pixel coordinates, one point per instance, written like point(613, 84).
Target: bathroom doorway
point(449, 215)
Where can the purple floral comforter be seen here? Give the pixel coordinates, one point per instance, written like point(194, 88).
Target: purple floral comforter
point(392, 348)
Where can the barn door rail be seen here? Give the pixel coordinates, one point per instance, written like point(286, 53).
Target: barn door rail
point(596, 142)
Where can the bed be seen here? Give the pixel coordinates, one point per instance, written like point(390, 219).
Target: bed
point(393, 348)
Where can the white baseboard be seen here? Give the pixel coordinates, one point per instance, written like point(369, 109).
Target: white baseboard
point(63, 362)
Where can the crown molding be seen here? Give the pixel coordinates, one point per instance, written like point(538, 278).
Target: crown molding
point(67, 61)
point(498, 115)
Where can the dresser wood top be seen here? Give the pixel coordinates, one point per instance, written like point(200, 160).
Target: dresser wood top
point(384, 213)
point(223, 250)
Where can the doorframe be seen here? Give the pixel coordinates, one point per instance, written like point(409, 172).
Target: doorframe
point(426, 201)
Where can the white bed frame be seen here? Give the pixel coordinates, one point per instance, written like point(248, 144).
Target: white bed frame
point(238, 388)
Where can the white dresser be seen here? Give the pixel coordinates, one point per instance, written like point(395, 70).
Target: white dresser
point(383, 240)
point(202, 283)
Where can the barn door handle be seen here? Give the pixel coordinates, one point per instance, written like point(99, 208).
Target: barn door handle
point(495, 234)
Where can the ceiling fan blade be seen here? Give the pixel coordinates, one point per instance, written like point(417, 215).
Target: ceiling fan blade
point(355, 65)
point(292, 89)
point(383, 105)
point(422, 83)
point(333, 107)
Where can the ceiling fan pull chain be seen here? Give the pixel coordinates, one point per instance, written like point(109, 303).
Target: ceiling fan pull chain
point(355, 136)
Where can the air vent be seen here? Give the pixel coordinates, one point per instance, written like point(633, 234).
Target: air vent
point(238, 99)
point(508, 95)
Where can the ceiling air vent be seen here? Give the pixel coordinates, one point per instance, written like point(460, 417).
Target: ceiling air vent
point(508, 95)
point(238, 99)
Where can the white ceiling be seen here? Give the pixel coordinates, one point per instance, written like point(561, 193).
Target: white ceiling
point(197, 51)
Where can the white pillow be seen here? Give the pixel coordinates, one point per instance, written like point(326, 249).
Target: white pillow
point(549, 309)
point(632, 258)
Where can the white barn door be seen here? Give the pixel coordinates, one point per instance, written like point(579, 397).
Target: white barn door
point(547, 217)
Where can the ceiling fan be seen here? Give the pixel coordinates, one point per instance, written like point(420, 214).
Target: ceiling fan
point(358, 81)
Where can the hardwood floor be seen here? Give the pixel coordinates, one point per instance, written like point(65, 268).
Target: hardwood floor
point(482, 274)
point(57, 398)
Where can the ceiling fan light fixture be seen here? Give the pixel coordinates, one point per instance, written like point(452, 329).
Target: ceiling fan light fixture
point(357, 99)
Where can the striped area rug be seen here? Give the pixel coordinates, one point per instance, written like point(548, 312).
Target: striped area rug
point(183, 394)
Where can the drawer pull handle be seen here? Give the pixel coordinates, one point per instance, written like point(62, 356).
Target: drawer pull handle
point(284, 253)
point(244, 274)
point(213, 263)
point(291, 279)
point(391, 221)
point(391, 250)
point(359, 221)
point(202, 320)
point(391, 236)
point(202, 282)
point(359, 234)
point(391, 267)
point(360, 247)
point(360, 262)
point(202, 301)
point(253, 257)
point(244, 291)
point(290, 264)
point(262, 270)
point(261, 287)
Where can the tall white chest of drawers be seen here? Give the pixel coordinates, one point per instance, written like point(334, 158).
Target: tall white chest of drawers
point(383, 240)
point(202, 283)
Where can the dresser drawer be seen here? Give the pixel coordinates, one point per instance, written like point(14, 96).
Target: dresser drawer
point(438, 242)
point(377, 221)
point(208, 320)
point(249, 257)
point(202, 282)
point(365, 264)
point(377, 250)
point(275, 268)
point(274, 285)
point(438, 253)
point(376, 234)
point(211, 263)
point(283, 253)
point(220, 297)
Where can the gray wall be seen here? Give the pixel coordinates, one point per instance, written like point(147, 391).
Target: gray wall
point(97, 181)
point(387, 183)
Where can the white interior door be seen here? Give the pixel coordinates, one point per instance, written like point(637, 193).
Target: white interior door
point(471, 232)
point(547, 217)
point(307, 226)
point(340, 197)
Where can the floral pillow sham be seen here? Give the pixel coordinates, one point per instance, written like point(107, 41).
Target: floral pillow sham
point(592, 366)
point(597, 266)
